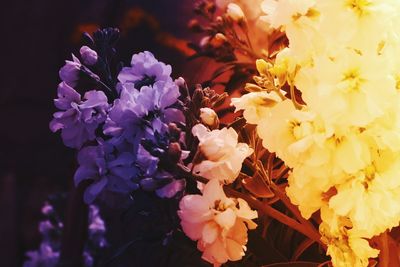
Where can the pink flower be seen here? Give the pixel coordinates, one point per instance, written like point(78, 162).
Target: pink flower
point(222, 152)
point(217, 222)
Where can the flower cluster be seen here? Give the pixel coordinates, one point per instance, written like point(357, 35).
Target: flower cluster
point(128, 130)
point(218, 223)
point(339, 129)
point(51, 230)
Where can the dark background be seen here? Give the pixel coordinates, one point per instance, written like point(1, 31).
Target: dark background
point(35, 38)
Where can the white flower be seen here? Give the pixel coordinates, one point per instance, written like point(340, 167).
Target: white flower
point(222, 152)
point(217, 222)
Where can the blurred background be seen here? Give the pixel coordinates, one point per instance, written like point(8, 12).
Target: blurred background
point(36, 38)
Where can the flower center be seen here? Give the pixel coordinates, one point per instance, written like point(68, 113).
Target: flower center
point(353, 80)
point(360, 7)
point(145, 81)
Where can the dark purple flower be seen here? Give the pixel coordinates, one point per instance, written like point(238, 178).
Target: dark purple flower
point(89, 56)
point(51, 229)
point(145, 70)
point(78, 120)
point(69, 73)
point(97, 227)
point(45, 256)
point(45, 227)
point(108, 169)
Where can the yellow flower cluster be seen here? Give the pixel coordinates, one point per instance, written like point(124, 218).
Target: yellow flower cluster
point(343, 144)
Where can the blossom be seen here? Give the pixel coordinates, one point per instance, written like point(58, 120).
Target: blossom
point(78, 120)
point(217, 222)
point(346, 247)
point(222, 152)
point(135, 109)
point(145, 70)
point(69, 73)
point(282, 13)
point(256, 105)
point(89, 56)
point(97, 228)
point(110, 172)
point(45, 256)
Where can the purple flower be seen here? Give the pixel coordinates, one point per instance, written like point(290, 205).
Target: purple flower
point(69, 73)
point(47, 209)
point(158, 100)
point(78, 119)
point(108, 169)
point(46, 227)
point(124, 121)
point(45, 256)
point(145, 70)
point(132, 115)
point(97, 227)
point(89, 56)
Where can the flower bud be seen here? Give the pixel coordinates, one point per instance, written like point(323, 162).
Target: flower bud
point(89, 56)
point(174, 152)
point(262, 66)
point(204, 41)
point(209, 117)
point(195, 26)
point(235, 12)
point(218, 40)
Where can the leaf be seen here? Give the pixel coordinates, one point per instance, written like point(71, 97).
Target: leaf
point(257, 186)
point(302, 247)
point(294, 264)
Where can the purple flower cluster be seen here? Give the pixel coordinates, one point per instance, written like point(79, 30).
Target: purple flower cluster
point(110, 136)
point(51, 229)
point(78, 119)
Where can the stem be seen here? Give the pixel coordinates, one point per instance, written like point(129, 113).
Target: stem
point(293, 96)
point(75, 231)
point(295, 211)
point(384, 257)
point(273, 213)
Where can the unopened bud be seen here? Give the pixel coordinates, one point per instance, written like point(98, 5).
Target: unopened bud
point(89, 56)
point(174, 152)
point(218, 40)
point(174, 131)
point(209, 117)
point(204, 41)
point(262, 66)
point(195, 26)
point(235, 12)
